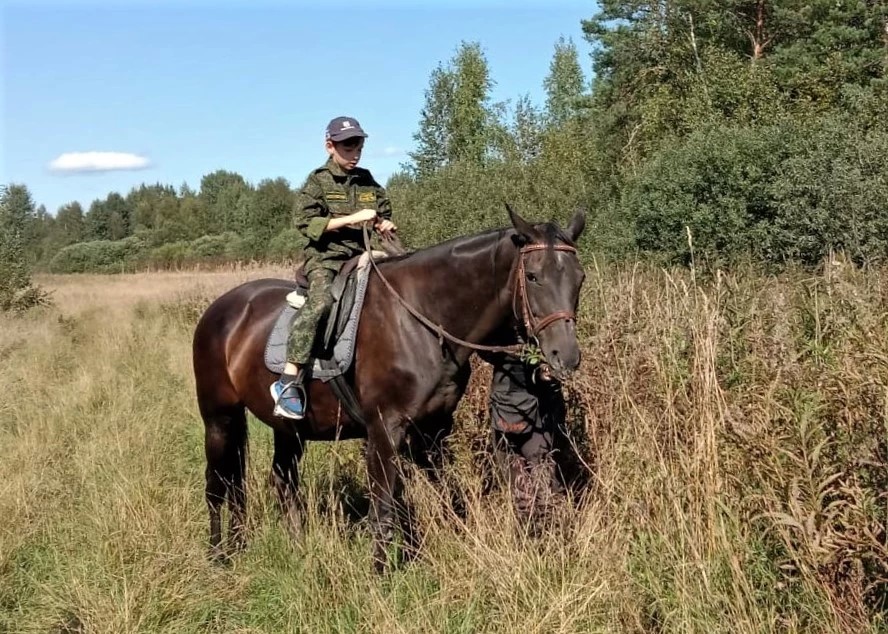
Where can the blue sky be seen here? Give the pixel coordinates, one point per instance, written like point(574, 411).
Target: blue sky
point(195, 86)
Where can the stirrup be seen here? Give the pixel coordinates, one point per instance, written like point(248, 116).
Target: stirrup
point(278, 389)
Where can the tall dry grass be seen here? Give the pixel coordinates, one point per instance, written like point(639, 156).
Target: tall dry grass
point(734, 430)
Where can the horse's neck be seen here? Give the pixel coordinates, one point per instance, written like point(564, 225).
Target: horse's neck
point(463, 285)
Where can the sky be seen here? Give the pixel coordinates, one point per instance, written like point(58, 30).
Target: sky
point(103, 96)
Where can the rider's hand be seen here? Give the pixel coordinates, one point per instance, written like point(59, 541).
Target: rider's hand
point(363, 215)
point(385, 227)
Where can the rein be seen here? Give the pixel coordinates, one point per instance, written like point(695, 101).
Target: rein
point(532, 325)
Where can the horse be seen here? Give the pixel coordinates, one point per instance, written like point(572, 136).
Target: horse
point(424, 315)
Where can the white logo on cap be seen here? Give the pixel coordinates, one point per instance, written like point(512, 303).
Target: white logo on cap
point(346, 124)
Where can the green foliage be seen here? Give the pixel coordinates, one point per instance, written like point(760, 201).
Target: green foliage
point(714, 185)
point(17, 293)
point(69, 225)
point(739, 129)
point(286, 245)
point(789, 192)
point(218, 247)
point(172, 255)
point(98, 256)
point(565, 84)
point(456, 122)
point(225, 195)
point(833, 45)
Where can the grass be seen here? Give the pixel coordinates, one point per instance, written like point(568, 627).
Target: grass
point(734, 429)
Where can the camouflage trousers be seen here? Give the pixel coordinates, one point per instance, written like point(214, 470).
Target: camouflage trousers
point(309, 317)
point(526, 415)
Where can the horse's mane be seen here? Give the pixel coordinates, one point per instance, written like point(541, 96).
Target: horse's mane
point(551, 232)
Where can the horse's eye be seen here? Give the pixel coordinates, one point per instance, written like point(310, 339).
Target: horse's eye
point(532, 277)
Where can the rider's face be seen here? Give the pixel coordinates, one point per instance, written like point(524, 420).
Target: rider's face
point(346, 153)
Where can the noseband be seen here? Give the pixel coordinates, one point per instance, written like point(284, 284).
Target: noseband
point(532, 325)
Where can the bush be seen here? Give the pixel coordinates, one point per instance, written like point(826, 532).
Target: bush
point(791, 192)
point(832, 194)
point(99, 256)
point(217, 248)
point(167, 256)
point(285, 245)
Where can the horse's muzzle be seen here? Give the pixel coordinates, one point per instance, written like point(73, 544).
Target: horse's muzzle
point(561, 366)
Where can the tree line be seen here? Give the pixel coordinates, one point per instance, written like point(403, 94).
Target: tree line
point(718, 132)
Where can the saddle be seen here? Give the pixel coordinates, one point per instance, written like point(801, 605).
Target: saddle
point(333, 352)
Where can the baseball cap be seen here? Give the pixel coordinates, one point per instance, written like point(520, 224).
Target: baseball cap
point(342, 128)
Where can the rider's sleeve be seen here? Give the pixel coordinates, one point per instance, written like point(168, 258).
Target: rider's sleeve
point(311, 213)
point(383, 203)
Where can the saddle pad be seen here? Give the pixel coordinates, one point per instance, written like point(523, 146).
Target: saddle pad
point(343, 349)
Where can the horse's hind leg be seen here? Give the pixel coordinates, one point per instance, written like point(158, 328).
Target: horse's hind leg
point(288, 449)
point(225, 444)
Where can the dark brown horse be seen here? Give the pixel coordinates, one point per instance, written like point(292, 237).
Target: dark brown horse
point(488, 288)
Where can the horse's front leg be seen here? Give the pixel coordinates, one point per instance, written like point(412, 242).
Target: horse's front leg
point(288, 449)
point(383, 445)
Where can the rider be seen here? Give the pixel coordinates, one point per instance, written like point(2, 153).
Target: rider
point(333, 203)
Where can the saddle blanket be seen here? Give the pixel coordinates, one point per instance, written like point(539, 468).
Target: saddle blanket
point(343, 348)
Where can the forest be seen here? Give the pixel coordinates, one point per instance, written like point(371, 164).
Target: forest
point(719, 132)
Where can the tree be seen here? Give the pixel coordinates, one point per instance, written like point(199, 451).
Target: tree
point(19, 211)
point(456, 120)
point(98, 221)
point(118, 216)
point(470, 121)
point(16, 211)
point(69, 225)
point(565, 83)
point(221, 191)
point(41, 230)
point(432, 136)
point(519, 140)
point(144, 203)
point(272, 210)
point(831, 45)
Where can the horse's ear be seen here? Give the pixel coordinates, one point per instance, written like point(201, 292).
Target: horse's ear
point(577, 224)
point(525, 230)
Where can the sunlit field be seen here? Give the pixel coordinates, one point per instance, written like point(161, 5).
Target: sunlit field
point(733, 431)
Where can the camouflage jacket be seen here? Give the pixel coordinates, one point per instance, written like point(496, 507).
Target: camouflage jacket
point(330, 192)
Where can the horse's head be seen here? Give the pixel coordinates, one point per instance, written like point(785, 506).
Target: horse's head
point(548, 278)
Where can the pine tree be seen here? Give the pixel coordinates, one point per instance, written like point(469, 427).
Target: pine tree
point(16, 290)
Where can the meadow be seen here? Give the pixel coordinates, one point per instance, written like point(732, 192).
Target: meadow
point(734, 430)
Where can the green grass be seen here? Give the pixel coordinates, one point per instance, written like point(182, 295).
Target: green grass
point(739, 476)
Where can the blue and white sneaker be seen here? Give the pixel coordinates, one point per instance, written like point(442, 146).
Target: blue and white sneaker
point(289, 400)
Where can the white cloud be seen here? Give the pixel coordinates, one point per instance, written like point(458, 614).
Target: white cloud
point(98, 162)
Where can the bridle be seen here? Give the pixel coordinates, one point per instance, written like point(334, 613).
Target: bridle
point(532, 325)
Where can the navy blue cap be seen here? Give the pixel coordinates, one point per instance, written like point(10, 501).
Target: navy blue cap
point(342, 128)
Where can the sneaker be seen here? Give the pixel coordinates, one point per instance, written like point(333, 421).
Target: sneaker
point(288, 400)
